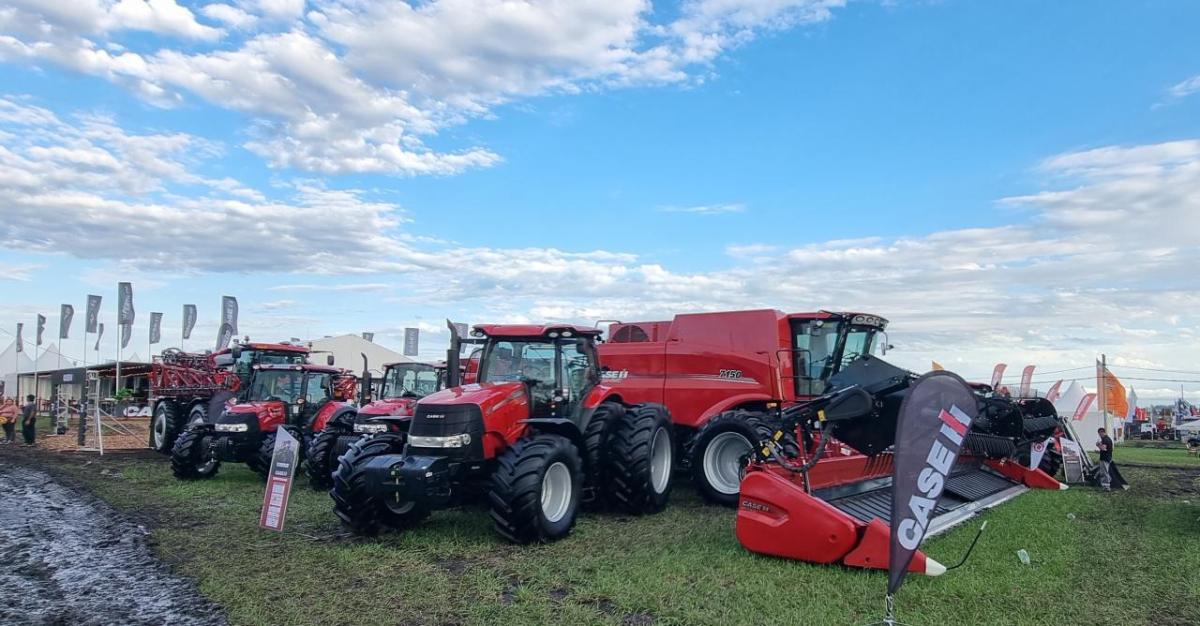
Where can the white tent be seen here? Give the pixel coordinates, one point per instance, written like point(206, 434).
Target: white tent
point(347, 351)
point(1190, 427)
point(12, 362)
point(1093, 419)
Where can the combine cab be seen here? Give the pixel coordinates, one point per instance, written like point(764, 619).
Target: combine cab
point(539, 434)
point(184, 384)
point(289, 397)
point(403, 385)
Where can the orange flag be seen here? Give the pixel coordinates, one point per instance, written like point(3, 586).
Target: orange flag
point(1116, 401)
point(937, 367)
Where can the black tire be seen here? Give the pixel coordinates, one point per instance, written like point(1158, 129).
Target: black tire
point(164, 427)
point(595, 441)
point(359, 509)
point(189, 459)
point(198, 416)
point(261, 461)
point(521, 474)
point(641, 453)
point(751, 426)
point(320, 460)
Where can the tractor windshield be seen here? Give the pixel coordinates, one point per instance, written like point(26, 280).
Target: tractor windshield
point(528, 361)
point(411, 380)
point(823, 347)
point(250, 358)
point(284, 385)
point(558, 372)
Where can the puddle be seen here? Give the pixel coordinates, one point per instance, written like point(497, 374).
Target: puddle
point(66, 558)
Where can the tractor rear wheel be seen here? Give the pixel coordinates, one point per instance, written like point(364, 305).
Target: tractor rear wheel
point(164, 426)
point(721, 450)
point(535, 489)
point(321, 458)
point(595, 442)
point(359, 509)
point(641, 454)
point(189, 459)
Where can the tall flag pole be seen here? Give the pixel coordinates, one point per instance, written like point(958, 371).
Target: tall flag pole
point(37, 388)
point(20, 347)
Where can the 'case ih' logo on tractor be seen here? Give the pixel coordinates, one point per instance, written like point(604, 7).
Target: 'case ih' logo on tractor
point(755, 506)
point(614, 375)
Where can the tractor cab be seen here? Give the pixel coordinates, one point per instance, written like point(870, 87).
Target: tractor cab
point(824, 344)
point(241, 358)
point(410, 380)
point(557, 364)
point(297, 391)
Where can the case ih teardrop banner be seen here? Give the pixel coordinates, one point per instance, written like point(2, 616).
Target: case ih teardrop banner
point(933, 423)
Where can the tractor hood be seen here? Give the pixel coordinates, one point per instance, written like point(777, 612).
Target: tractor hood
point(389, 407)
point(485, 395)
point(269, 414)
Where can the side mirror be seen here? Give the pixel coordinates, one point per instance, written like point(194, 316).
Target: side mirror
point(329, 360)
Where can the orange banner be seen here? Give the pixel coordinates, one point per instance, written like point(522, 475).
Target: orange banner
point(1116, 402)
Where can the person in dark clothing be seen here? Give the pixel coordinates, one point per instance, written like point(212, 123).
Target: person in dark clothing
point(1109, 475)
point(29, 420)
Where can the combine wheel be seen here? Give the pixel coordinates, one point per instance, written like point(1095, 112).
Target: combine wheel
point(164, 427)
point(321, 458)
point(721, 450)
point(190, 460)
point(595, 439)
point(535, 489)
point(359, 509)
point(640, 452)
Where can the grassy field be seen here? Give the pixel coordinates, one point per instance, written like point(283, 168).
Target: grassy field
point(1171, 453)
point(681, 567)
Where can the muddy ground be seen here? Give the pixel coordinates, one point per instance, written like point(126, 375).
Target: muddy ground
point(67, 558)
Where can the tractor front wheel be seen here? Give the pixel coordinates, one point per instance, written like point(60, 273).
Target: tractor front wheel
point(721, 450)
point(198, 415)
point(164, 427)
point(322, 456)
point(260, 462)
point(641, 455)
point(535, 489)
point(189, 459)
point(364, 512)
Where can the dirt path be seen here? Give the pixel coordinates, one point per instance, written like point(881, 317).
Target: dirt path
point(66, 558)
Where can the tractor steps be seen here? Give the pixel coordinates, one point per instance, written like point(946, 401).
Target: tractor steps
point(968, 491)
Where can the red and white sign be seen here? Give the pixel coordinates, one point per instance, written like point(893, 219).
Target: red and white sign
point(998, 375)
point(1054, 392)
point(1085, 403)
point(1037, 451)
point(1026, 380)
point(279, 482)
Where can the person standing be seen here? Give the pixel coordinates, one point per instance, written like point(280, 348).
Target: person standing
point(8, 417)
point(1110, 476)
point(29, 420)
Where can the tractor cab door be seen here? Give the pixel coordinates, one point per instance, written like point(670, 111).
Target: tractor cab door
point(318, 391)
point(578, 373)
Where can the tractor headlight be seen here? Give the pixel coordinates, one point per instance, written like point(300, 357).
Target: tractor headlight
point(232, 428)
point(452, 441)
point(370, 428)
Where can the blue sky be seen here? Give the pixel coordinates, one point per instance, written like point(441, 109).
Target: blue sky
point(344, 168)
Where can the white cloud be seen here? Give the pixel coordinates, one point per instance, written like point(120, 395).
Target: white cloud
point(366, 87)
point(1185, 88)
point(334, 287)
point(706, 209)
point(229, 15)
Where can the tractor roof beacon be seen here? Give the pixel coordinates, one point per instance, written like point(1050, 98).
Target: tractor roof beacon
point(540, 433)
point(184, 384)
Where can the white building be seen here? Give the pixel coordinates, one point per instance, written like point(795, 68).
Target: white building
point(348, 351)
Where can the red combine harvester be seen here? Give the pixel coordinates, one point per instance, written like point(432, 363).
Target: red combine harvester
point(298, 398)
point(183, 384)
point(736, 381)
point(403, 385)
point(538, 430)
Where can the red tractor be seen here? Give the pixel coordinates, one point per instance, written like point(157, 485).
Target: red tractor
point(298, 398)
point(184, 384)
point(402, 386)
point(540, 433)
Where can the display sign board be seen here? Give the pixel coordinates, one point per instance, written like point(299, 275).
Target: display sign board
point(279, 481)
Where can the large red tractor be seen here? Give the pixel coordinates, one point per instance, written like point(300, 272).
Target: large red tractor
point(540, 433)
point(402, 386)
point(183, 384)
point(297, 398)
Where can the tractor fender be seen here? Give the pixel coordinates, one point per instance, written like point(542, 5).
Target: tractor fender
point(558, 426)
point(334, 413)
